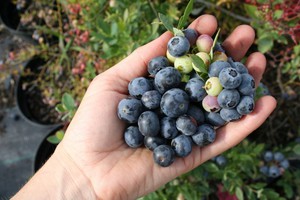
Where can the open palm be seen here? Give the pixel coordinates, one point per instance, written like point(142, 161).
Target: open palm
point(94, 140)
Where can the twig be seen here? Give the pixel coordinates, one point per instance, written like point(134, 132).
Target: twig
point(236, 16)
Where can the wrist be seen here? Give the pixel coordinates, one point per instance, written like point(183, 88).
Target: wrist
point(59, 178)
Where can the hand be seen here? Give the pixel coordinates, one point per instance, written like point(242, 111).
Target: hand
point(94, 142)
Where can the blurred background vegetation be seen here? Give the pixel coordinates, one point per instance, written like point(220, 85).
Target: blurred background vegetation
point(79, 39)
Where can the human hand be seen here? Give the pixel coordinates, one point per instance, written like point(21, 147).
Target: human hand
point(94, 142)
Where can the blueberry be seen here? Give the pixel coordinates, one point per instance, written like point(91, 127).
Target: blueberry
point(186, 125)
point(151, 142)
point(183, 64)
point(151, 99)
point(156, 64)
point(230, 114)
point(215, 119)
point(264, 170)
point(194, 88)
point(204, 43)
point(204, 135)
point(168, 128)
point(191, 35)
point(129, 109)
point(215, 68)
point(221, 160)
point(138, 86)
point(133, 137)
point(274, 171)
point(205, 58)
point(240, 67)
point(285, 164)
point(148, 123)
point(210, 104)
point(170, 57)
point(213, 86)
point(278, 156)
point(228, 98)
point(230, 78)
point(196, 113)
point(268, 156)
point(247, 86)
point(164, 155)
point(178, 46)
point(166, 79)
point(218, 47)
point(182, 145)
point(219, 56)
point(174, 102)
point(246, 105)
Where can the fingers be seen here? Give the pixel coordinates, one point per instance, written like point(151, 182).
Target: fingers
point(135, 64)
point(239, 41)
point(256, 64)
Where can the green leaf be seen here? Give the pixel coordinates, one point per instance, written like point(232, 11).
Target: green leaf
point(60, 108)
point(186, 14)
point(265, 44)
point(177, 32)
point(198, 64)
point(59, 134)
point(211, 167)
point(258, 186)
point(185, 78)
point(53, 139)
point(214, 43)
point(277, 14)
point(297, 49)
point(239, 193)
point(288, 190)
point(251, 11)
point(258, 149)
point(296, 149)
point(166, 22)
point(68, 101)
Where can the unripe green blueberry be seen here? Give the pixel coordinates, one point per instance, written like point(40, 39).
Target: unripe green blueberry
point(183, 64)
point(204, 43)
point(218, 55)
point(170, 57)
point(205, 58)
point(213, 86)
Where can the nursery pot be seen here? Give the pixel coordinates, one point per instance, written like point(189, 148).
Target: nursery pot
point(9, 14)
point(29, 98)
point(45, 150)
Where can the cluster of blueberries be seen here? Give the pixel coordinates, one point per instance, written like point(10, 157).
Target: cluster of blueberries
point(168, 113)
point(274, 164)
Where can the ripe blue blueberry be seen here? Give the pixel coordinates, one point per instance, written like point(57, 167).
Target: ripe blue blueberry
point(285, 164)
point(264, 170)
point(246, 105)
point(129, 109)
point(182, 145)
point(148, 123)
point(191, 35)
point(228, 98)
point(138, 86)
point(133, 137)
point(194, 88)
point(278, 156)
point(274, 171)
point(240, 67)
point(247, 86)
point(168, 128)
point(166, 79)
point(230, 114)
point(230, 78)
point(215, 68)
point(215, 119)
point(174, 102)
point(156, 64)
point(221, 160)
point(205, 134)
point(151, 99)
point(164, 155)
point(268, 156)
point(196, 113)
point(178, 46)
point(151, 142)
point(186, 125)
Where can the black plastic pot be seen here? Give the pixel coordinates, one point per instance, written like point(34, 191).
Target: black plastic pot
point(9, 14)
point(45, 150)
point(29, 99)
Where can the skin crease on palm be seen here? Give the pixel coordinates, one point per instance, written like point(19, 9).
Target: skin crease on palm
point(94, 140)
